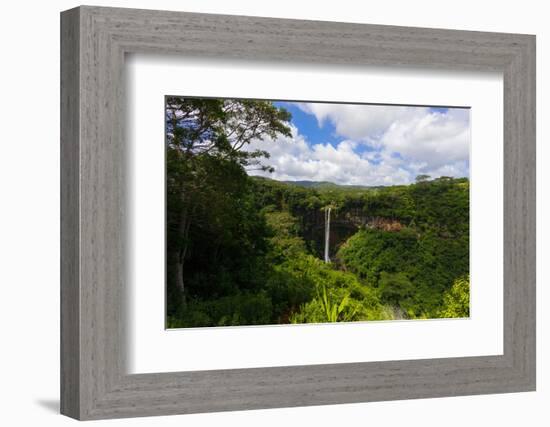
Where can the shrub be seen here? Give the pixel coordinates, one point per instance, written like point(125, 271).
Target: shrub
point(456, 301)
point(239, 309)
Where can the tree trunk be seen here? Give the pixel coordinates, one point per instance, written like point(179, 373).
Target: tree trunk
point(183, 230)
point(179, 277)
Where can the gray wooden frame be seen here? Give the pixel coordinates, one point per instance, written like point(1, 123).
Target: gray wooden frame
point(94, 383)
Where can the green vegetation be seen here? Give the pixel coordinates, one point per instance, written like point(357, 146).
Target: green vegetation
point(244, 250)
point(456, 301)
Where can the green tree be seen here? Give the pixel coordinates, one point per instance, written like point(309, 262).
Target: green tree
point(204, 137)
point(422, 178)
point(285, 241)
point(456, 301)
point(395, 288)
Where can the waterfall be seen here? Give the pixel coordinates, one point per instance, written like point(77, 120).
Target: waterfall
point(327, 233)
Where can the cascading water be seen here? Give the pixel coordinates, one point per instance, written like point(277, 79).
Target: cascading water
point(327, 233)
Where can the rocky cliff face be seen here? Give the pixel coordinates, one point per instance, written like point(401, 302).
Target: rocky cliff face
point(344, 224)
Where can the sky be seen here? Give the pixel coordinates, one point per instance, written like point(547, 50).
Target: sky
point(358, 144)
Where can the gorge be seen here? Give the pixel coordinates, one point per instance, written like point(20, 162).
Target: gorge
point(287, 253)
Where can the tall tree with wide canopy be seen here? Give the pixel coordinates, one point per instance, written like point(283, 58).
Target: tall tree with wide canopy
point(207, 156)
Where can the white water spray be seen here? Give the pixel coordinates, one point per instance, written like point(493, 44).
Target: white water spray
point(327, 233)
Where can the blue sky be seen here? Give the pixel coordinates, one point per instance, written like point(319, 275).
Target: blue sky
point(369, 144)
point(309, 126)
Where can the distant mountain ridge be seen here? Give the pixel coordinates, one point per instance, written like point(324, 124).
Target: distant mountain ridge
point(326, 185)
point(320, 185)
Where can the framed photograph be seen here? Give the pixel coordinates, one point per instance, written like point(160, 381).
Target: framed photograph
point(308, 212)
point(261, 213)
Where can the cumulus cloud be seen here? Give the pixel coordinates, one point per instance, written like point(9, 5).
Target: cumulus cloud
point(360, 122)
point(434, 138)
point(379, 145)
point(294, 159)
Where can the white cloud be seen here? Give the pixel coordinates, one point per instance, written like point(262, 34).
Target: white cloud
point(381, 145)
point(360, 122)
point(436, 139)
point(293, 160)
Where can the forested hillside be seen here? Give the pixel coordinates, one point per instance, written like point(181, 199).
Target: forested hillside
point(396, 252)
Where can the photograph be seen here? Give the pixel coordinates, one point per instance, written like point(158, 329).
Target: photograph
point(294, 212)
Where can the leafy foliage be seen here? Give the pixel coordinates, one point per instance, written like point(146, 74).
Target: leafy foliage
point(413, 267)
point(456, 301)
